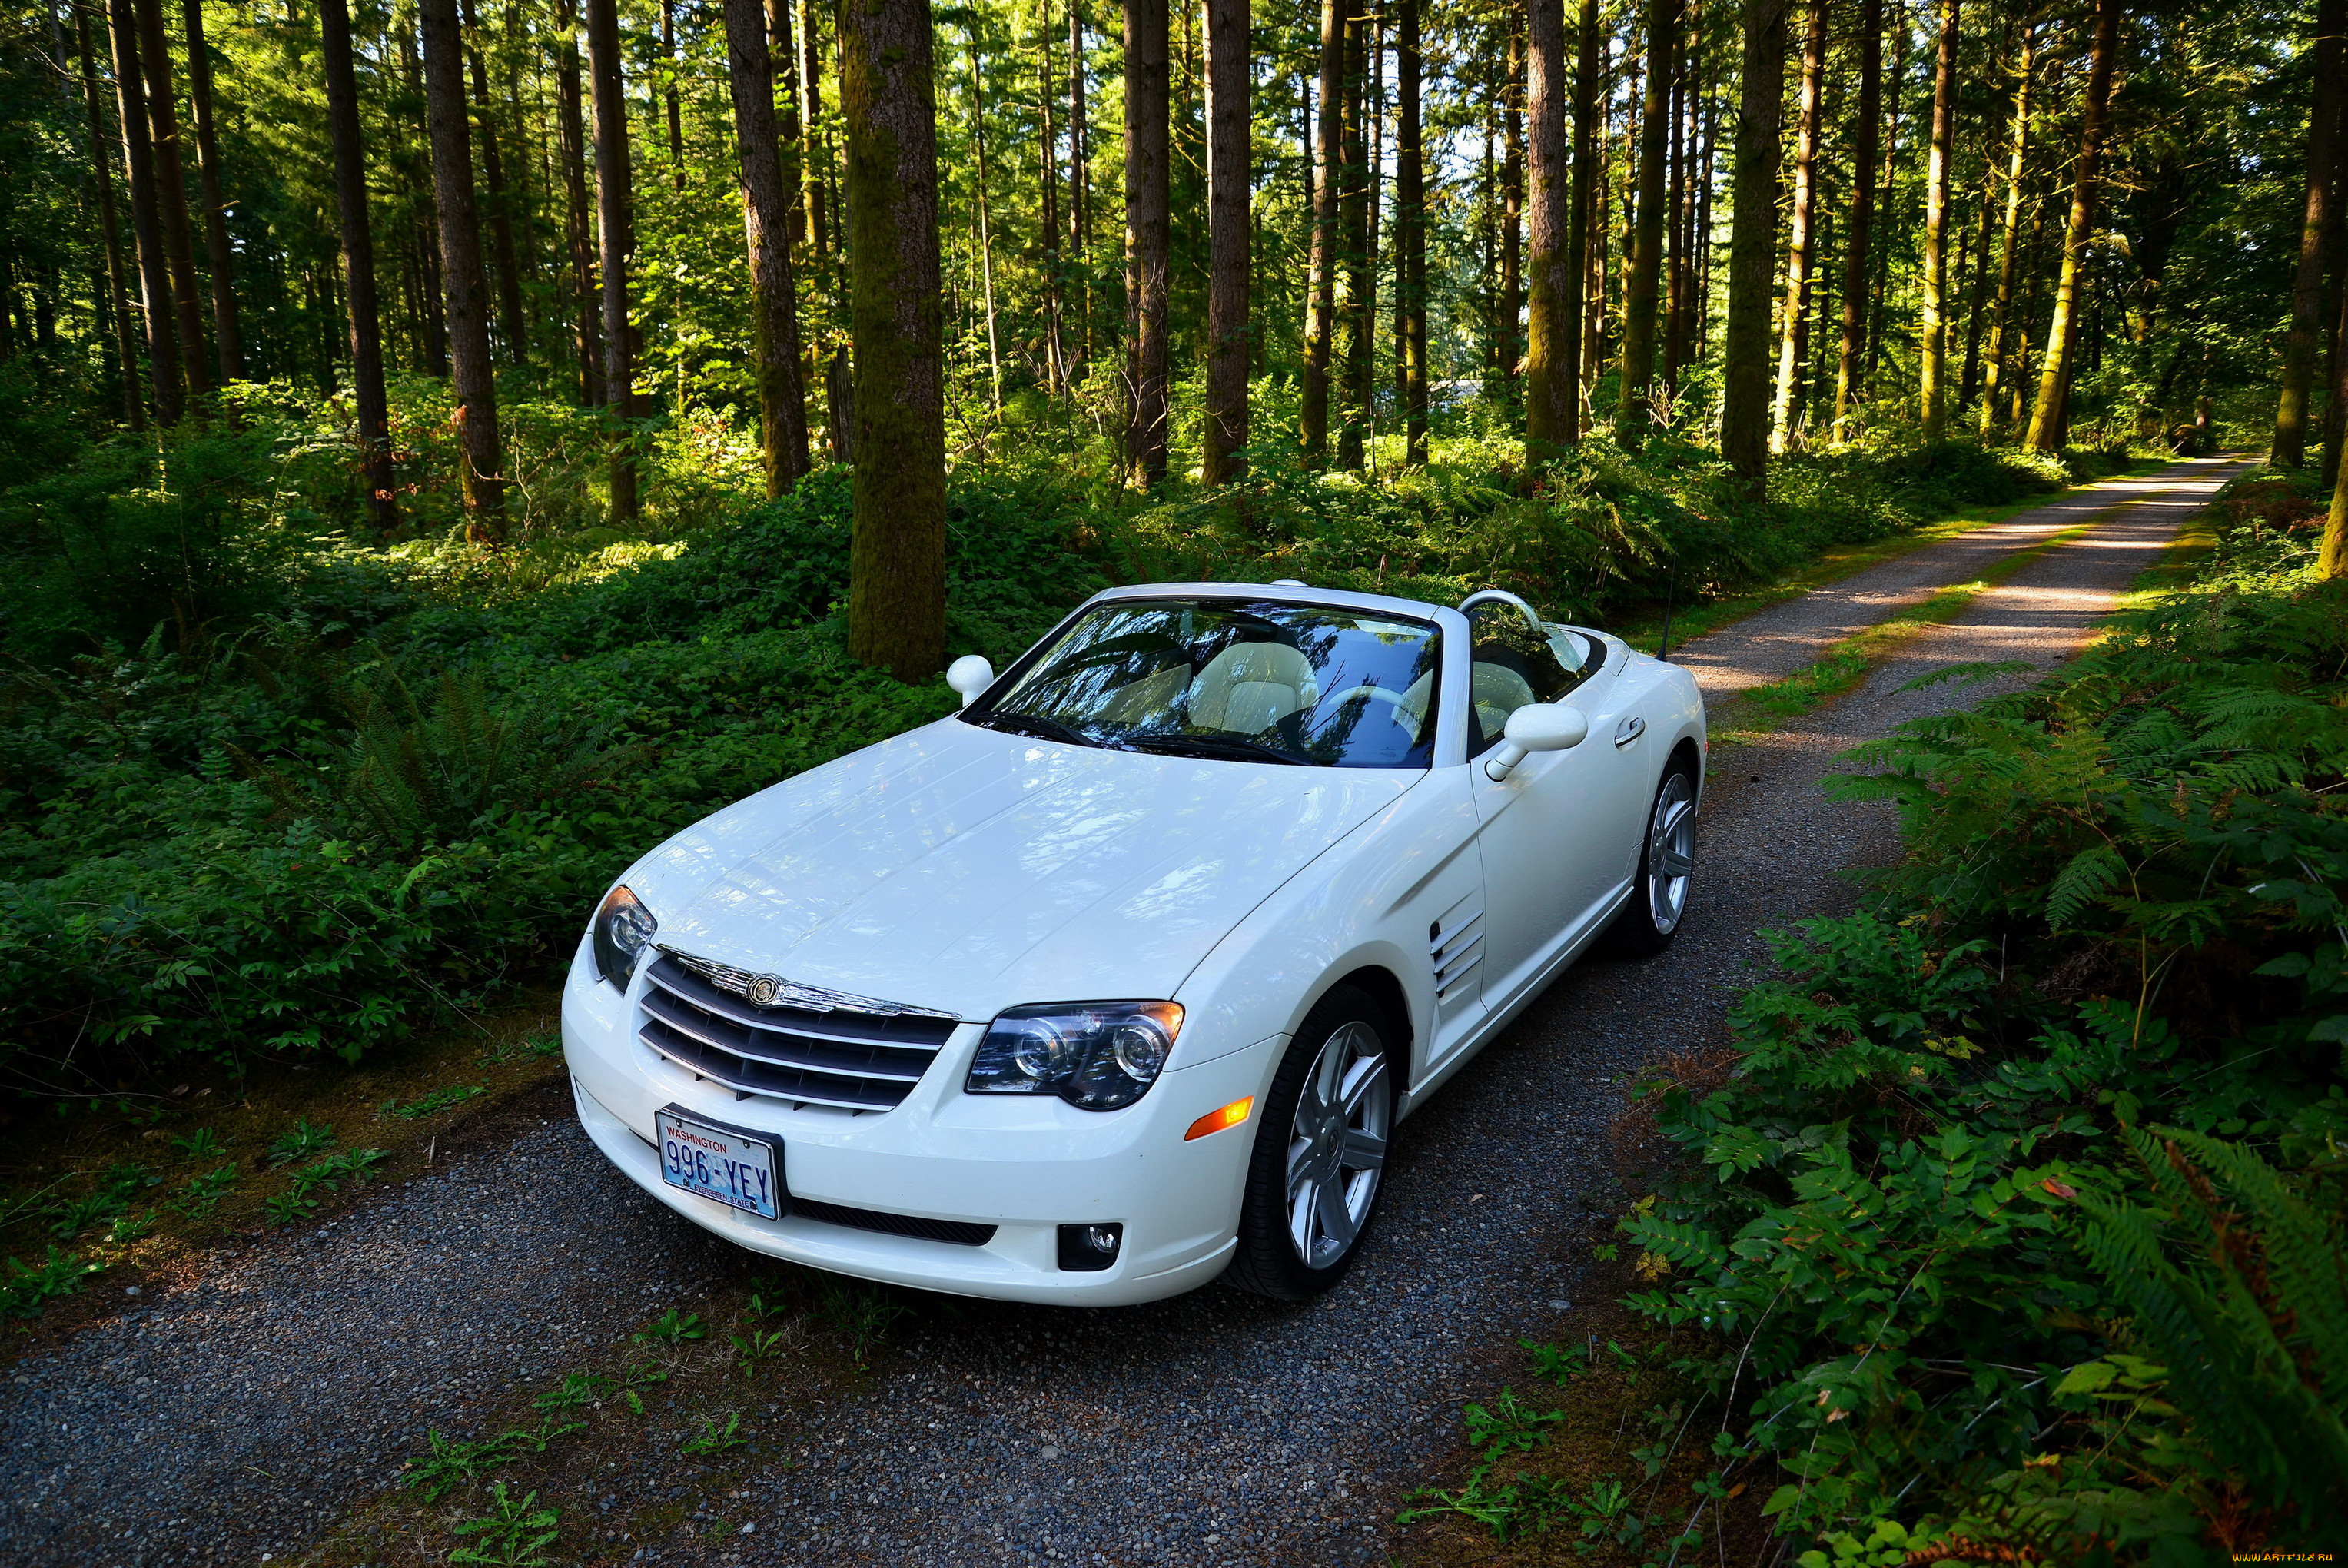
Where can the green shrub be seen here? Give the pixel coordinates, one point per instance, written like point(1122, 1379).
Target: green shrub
point(1971, 1306)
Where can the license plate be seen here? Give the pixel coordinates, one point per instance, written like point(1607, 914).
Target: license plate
point(737, 1170)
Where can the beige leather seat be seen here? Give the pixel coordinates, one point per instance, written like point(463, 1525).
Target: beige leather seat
point(1248, 687)
point(1496, 691)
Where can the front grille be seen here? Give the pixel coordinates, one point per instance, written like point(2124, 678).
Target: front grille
point(958, 1232)
point(838, 1057)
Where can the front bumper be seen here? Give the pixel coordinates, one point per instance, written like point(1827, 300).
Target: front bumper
point(1023, 1165)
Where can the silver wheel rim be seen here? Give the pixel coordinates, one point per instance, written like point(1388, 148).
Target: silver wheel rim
point(1671, 853)
point(1336, 1146)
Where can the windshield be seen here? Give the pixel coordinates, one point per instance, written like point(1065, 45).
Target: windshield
point(1232, 679)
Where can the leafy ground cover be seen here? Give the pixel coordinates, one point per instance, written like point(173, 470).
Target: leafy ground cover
point(2011, 1230)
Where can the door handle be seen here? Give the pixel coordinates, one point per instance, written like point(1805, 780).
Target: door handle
point(1629, 729)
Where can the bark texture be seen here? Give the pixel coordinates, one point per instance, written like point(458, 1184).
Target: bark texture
point(1230, 179)
point(172, 194)
point(2301, 349)
point(464, 287)
point(1148, 238)
point(765, 222)
point(1582, 196)
point(571, 150)
point(1552, 393)
point(227, 341)
point(510, 321)
point(164, 371)
point(125, 349)
point(897, 563)
point(374, 429)
point(1320, 313)
point(1934, 391)
point(1793, 328)
point(1753, 248)
point(615, 211)
point(1410, 236)
point(2047, 419)
point(1642, 279)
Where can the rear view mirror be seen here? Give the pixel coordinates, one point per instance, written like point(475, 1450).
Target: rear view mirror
point(969, 675)
point(1536, 727)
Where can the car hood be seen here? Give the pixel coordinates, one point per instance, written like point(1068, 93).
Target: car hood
point(966, 869)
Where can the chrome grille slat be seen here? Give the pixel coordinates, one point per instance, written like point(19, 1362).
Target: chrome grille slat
point(775, 1049)
point(853, 1060)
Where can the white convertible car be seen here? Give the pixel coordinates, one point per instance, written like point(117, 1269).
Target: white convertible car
point(1120, 979)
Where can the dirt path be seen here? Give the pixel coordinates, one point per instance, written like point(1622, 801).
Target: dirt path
point(236, 1418)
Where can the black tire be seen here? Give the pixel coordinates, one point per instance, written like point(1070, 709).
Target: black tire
point(1660, 898)
point(1350, 1028)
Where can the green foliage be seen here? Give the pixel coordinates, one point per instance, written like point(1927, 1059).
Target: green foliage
point(516, 1535)
point(439, 1099)
point(300, 1140)
point(29, 1287)
point(713, 1439)
point(673, 1328)
point(1965, 1296)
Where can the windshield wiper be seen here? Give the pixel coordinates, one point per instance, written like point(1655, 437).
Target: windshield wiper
point(1221, 747)
point(1038, 725)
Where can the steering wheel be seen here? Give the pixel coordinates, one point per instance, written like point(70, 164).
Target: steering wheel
point(1392, 699)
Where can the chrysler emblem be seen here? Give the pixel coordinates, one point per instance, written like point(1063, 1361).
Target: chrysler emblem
point(764, 988)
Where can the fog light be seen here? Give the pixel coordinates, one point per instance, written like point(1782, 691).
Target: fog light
point(1088, 1249)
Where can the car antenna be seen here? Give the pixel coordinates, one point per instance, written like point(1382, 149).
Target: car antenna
point(1670, 582)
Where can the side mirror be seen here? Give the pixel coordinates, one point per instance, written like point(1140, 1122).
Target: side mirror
point(1536, 727)
point(969, 675)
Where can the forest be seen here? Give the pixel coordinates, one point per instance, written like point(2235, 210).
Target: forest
point(447, 446)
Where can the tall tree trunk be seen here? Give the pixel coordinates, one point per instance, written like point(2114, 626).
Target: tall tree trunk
point(820, 216)
point(1048, 225)
point(1674, 293)
point(1410, 236)
point(571, 143)
point(986, 225)
point(1552, 393)
point(510, 321)
point(228, 343)
point(172, 194)
point(615, 205)
point(1512, 211)
point(1229, 180)
point(1644, 268)
point(766, 221)
point(463, 284)
point(358, 265)
point(2048, 420)
point(1319, 321)
point(782, 71)
point(1794, 324)
point(164, 368)
point(2300, 350)
point(1352, 241)
point(1934, 392)
point(1583, 234)
point(1977, 301)
point(1080, 222)
point(2002, 304)
point(675, 109)
point(134, 408)
point(1753, 249)
point(897, 577)
point(1148, 238)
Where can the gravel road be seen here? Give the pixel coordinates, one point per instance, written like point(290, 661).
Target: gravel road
point(237, 1417)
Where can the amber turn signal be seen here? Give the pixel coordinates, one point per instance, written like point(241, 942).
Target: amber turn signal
point(1230, 1115)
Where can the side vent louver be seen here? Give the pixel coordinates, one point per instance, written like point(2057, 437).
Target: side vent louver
point(1456, 943)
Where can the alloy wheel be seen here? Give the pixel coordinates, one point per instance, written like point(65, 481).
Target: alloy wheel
point(1671, 853)
point(1337, 1145)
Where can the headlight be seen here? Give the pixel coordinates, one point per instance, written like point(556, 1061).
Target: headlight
point(1099, 1056)
point(623, 927)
